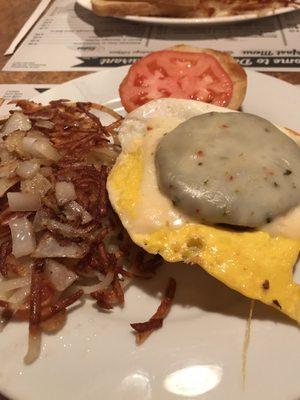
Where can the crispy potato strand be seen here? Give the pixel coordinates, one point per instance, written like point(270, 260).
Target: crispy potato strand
point(35, 297)
point(144, 329)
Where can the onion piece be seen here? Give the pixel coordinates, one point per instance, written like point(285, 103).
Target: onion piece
point(40, 148)
point(34, 348)
point(42, 123)
point(19, 201)
point(39, 219)
point(39, 185)
point(59, 275)
point(12, 284)
point(43, 220)
point(35, 134)
point(5, 155)
point(27, 169)
point(66, 230)
point(7, 183)
point(28, 145)
point(74, 211)
point(17, 122)
point(13, 143)
point(23, 239)
point(8, 168)
point(125, 283)
point(48, 247)
point(46, 171)
point(17, 299)
point(99, 286)
point(64, 192)
point(104, 155)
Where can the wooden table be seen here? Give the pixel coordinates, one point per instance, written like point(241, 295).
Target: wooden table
point(13, 15)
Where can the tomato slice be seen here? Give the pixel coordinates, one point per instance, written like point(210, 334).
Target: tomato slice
point(181, 75)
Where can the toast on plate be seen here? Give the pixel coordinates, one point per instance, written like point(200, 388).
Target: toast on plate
point(186, 8)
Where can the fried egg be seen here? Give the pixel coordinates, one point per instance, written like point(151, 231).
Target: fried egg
point(171, 208)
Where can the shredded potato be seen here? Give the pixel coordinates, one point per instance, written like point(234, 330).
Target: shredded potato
point(54, 195)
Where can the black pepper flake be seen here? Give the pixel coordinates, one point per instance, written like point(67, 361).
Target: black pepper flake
point(287, 172)
point(206, 182)
point(266, 284)
point(175, 201)
point(268, 220)
point(267, 130)
point(200, 163)
point(276, 303)
point(276, 184)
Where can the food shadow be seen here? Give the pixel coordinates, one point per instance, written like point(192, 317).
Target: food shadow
point(197, 289)
point(106, 28)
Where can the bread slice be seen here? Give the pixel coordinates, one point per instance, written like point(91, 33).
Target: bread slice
point(181, 3)
point(177, 3)
point(107, 8)
point(234, 70)
point(186, 8)
point(219, 8)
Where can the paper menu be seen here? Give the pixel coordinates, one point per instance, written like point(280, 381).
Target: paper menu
point(27, 26)
point(68, 37)
point(19, 91)
point(23, 91)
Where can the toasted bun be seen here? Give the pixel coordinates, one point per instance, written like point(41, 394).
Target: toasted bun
point(233, 69)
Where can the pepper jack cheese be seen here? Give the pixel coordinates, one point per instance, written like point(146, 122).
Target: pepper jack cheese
point(230, 168)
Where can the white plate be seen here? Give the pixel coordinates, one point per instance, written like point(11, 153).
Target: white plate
point(192, 21)
point(198, 352)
